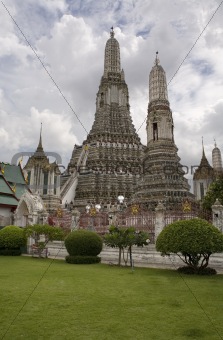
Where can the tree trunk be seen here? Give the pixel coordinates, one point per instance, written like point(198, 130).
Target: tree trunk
point(130, 255)
point(120, 256)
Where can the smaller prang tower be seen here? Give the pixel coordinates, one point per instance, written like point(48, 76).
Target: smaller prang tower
point(204, 175)
point(217, 160)
point(163, 177)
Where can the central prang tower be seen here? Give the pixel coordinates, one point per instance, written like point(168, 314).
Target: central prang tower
point(163, 177)
point(109, 162)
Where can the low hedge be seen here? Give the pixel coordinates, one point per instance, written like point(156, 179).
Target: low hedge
point(12, 238)
point(10, 251)
point(200, 271)
point(83, 259)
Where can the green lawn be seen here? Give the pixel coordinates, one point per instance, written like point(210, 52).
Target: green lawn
point(46, 299)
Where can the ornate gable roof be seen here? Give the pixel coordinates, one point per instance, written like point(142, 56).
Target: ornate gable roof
point(205, 170)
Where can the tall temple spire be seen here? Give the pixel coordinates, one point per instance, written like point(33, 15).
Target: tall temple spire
point(216, 158)
point(159, 127)
point(112, 55)
point(163, 177)
point(114, 123)
point(112, 153)
point(157, 82)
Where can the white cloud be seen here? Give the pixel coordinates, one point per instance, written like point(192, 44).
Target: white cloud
point(70, 38)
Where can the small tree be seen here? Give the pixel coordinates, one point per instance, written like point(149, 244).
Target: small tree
point(192, 240)
point(50, 233)
point(124, 238)
point(214, 192)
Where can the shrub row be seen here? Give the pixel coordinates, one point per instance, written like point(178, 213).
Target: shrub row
point(83, 259)
point(10, 251)
point(12, 238)
point(199, 271)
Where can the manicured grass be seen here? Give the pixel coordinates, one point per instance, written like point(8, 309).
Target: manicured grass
point(104, 302)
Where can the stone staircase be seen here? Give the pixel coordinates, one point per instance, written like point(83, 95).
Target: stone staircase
point(68, 184)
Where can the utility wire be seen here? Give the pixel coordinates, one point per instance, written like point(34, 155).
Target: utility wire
point(196, 299)
point(37, 56)
point(196, 41)
point(54, 82)
point(189, 52)
point(30, 295)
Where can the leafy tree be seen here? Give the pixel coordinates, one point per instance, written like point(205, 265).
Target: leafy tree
point(192, 240)
point(50, 233)
point(215, 191)
point(124, 239)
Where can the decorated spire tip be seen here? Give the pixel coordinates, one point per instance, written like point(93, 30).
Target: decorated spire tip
point(157, 59)
point(41, 126)
point(112, 33)
point(40, 137)
point(202, 140)
point(215, 144)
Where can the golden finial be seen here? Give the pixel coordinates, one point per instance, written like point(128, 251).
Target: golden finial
point(2, 168)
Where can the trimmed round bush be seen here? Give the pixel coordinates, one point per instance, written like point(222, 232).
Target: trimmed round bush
point(83, 259)
point(83, 243)
point(12, 238)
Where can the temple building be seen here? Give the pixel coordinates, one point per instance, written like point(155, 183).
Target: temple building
point(44, 177)
point(112, 162)
point(12, 186)
point(163, 177)
point(109, 162)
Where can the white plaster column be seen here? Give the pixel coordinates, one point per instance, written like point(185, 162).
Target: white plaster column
point(217, 215)
point(159, 219)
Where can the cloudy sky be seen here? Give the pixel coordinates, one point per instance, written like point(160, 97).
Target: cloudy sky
point(67, 40)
